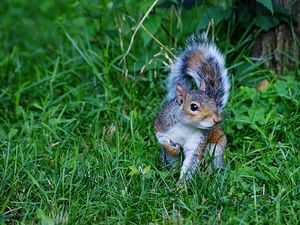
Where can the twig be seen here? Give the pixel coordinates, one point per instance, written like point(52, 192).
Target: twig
point(155, 39)
point(136, 29)
point(208, 28)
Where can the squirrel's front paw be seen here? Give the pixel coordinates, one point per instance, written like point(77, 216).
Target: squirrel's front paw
point(176, 147)
point(171, 148)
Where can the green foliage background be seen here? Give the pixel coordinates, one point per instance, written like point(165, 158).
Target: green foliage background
point(76, 137)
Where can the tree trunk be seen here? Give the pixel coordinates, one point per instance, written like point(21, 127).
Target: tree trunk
point(281, 43)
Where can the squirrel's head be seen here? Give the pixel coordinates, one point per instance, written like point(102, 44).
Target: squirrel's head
point(198, 108)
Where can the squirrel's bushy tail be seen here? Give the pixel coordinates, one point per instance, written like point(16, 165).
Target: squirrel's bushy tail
point(200, 59)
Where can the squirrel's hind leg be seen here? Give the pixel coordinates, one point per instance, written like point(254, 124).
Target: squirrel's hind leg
point(167, 160)
point(216, 146)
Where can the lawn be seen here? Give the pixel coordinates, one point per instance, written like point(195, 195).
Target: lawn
point(77, 144)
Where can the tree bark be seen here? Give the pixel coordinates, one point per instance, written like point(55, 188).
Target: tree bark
point(281, 44)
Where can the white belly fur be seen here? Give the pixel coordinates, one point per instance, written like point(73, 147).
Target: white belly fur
point(186, 136)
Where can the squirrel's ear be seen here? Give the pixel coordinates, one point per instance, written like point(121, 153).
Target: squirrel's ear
point(180, 93)
point(202, 85)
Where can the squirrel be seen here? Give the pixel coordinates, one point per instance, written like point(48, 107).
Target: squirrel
point(190, 119)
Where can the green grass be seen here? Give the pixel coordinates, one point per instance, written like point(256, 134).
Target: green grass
point(74, 123)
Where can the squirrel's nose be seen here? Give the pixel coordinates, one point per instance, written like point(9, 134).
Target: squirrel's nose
point(217, 119)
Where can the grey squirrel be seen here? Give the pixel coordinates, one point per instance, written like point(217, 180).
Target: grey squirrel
point(190, 119)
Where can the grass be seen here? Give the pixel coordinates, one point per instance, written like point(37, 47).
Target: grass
point(76, 136)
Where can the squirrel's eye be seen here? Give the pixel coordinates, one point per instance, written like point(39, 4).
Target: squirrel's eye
point(194, 107)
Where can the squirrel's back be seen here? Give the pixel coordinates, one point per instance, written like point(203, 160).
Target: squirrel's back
point(200, 59)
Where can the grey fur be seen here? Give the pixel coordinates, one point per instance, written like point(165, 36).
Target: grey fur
point(169, 115)
point(218, 86)
point(199, 61)
point(172, 115)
